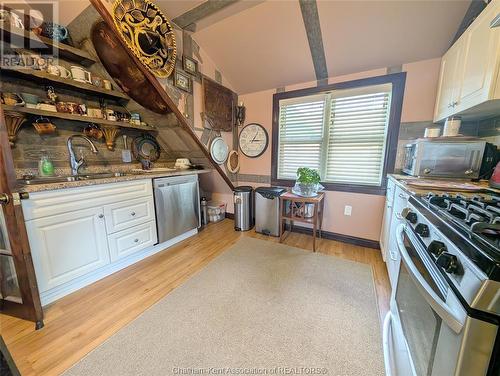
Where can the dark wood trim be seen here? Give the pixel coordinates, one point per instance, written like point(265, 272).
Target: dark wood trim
point(102, 10)
point(367, 243)
point(30, 308)
point(8, 358)
point(397, 80)
point(229, 215)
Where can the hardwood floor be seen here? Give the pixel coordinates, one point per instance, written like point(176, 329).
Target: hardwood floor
point(79, 322)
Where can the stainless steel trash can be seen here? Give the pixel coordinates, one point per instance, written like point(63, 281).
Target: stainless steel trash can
point(243, 208)
point(267, 210)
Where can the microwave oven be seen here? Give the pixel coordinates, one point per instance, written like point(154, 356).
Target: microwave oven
point(459, 158)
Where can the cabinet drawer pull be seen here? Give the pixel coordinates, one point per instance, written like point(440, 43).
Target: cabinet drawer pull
point(132, 214)
point(101, 215)
point(136, 240)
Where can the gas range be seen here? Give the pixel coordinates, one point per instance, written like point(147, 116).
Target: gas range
point(476, 220)
point(461, 235)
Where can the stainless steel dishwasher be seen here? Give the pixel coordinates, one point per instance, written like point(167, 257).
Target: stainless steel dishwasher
point(177, 205)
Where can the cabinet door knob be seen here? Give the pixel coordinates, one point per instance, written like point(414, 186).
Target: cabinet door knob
point(101, 215)
point(132, 214)
point(136, 240)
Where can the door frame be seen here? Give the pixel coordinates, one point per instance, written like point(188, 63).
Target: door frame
point(30, 308)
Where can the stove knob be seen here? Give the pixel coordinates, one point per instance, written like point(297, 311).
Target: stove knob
point(422, 229)
point(449, 263)
point(411, 217)
point(436, 248)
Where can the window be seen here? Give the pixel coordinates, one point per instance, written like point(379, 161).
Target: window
point(343, 132)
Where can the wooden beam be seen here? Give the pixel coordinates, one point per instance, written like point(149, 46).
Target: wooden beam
point(201, 11)
point(309, 10)
point(475, 7)
point(153, 81)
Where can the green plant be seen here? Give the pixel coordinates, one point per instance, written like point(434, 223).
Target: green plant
point(307, 175)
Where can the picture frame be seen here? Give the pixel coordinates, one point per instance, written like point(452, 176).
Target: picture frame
point(183, 81)
point(190, 65)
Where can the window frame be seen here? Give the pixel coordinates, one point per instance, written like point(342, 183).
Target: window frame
point(397, 80)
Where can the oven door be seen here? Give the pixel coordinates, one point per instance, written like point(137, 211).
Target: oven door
point(427, 310)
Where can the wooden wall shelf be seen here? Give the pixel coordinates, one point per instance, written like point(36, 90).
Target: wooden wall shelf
point(24, 38)
point(46, 78)
point(72, 117)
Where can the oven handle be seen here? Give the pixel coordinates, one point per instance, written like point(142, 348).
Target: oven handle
point(437, 304)
point(385, 342)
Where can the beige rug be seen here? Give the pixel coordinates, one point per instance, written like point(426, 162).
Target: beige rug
point(259, 308)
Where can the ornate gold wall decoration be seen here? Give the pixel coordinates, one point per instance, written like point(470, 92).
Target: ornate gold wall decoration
point(13, 122)
point(148, 34)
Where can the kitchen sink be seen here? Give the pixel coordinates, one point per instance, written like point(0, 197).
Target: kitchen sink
point(32, 179)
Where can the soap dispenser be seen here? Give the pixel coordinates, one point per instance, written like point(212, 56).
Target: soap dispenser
point(45, 165)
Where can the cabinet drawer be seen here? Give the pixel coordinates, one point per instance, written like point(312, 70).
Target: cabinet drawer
point(135, 239)
point(128, 213)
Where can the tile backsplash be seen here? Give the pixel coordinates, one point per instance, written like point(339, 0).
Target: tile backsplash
point(488, 129)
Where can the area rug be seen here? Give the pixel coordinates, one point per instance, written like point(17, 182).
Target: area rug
point(258, 308)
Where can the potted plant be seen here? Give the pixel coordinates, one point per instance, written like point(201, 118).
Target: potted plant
point(307, 183)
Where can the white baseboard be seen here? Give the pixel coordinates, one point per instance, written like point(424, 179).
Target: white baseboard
point(58, 292)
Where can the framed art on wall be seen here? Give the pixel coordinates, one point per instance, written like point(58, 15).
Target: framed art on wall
point(183, 81)
point(190, 65)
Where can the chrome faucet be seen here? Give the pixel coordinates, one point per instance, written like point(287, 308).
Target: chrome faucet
point(75, 164)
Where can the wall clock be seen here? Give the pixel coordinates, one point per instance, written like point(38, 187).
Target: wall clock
point(253, 140)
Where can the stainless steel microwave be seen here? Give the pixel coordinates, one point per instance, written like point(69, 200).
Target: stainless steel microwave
point(444, 157)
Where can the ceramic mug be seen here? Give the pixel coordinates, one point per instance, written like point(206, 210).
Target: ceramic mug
point(107, 84)
point(97, 81)
point(81, 75)
point(54, 31)
point(63, 72)
point(94, 112)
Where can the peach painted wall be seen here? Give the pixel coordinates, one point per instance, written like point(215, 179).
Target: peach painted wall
point(367, 210)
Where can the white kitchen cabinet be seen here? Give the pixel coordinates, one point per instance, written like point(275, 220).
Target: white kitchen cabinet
point(448, 79)
point(67, 246)
point(132, 240)
point(125, 214)
point(469, 82)
point(398, 202)
point(80, 235)
point(386, 222)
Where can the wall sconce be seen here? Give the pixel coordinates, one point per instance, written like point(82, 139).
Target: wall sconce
point(240, 114)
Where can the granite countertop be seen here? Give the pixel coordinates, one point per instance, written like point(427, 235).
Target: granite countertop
point(400, 180)
point(88, 182)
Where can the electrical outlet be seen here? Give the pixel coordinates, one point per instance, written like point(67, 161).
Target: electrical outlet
point(348, 210)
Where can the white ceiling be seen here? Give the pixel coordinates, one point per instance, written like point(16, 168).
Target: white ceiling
point(260, 45)
point(266, 47)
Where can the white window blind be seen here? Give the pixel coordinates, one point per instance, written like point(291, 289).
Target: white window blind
point(300, 135)
point(342, 134)
point(357, 135)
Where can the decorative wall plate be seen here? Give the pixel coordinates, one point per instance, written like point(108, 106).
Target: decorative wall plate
point(146, 147)
point(233, 162)
point(219, 150)
point(147, 32)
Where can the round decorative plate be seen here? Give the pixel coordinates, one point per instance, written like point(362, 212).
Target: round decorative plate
point(219, 150)
point(233, 162)
point(147, 32)
point(253, 140)
point(146, 148)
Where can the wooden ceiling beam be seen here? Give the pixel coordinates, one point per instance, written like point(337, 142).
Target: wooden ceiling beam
point(309, 9)
point(203, 10)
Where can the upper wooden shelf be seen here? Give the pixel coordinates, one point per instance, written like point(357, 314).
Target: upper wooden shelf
point(46, 78)
point(80, 118)
point(39, 43)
